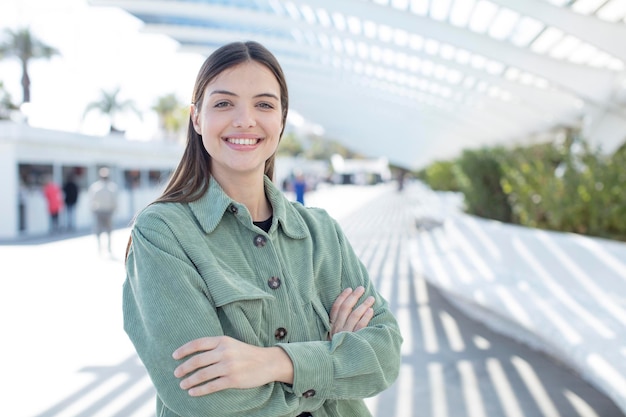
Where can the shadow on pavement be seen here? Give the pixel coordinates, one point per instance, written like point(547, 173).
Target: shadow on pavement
point(133, 373)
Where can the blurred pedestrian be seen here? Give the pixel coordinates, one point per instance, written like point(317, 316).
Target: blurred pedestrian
point(401, 179)
point(238, 301)
point(70, 193)
point(54, 199)
point(299, 186)
point(22, 195)
point(103, 202)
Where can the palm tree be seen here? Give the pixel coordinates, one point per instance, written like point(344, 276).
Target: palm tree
point(110, 106)
point(22, 45)
point(172, 115)
point(6, 103)
point(290, 145)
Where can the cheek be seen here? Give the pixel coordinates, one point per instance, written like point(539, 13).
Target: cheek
point(206, 124)
point(207, 143)
point(276, 127)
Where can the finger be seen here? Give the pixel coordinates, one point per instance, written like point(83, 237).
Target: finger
point(201, 376)
point(194, 363)
point(356, 295)
point(334, 311)
point(365, 319)
point(203, 389)
point(215, 385)
point(345, 309)
point(194, 346)
point(356, 314)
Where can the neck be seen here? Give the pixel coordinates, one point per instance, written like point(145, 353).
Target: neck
point(249, 191)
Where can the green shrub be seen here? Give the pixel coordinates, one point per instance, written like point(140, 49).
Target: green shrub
point(441, 176)
point(565, 187)
point(479, 177)
point(528, 180)
point(570, 189)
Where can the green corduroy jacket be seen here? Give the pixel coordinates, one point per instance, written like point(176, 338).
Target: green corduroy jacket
point(204, 269)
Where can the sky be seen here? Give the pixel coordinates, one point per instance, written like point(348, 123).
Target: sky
point(101, 48)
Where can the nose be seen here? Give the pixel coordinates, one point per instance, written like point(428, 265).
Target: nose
point(244, 118)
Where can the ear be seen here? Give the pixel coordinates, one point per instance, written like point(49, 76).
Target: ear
point(193, 111)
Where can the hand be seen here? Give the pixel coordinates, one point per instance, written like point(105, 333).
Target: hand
point(344, 317)
point(222, 362)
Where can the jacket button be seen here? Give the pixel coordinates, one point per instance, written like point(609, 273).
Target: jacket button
point(259, 241)
point(274, 283)
point(280, 333)
point(308, 394)
point(233, 209)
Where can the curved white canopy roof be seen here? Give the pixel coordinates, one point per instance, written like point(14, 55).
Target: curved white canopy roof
point(419, 80)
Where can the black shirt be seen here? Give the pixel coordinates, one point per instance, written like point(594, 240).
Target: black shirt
point(265, 224)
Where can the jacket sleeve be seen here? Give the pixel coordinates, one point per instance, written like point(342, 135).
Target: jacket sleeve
point(353, 364)
point(166, 304)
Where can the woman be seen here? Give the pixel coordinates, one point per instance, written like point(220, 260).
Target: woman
point(54, 199)
point(239, 302)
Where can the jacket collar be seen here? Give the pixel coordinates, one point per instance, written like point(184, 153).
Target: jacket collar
point(215, 204)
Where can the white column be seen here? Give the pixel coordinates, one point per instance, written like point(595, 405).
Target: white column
point(9, 189)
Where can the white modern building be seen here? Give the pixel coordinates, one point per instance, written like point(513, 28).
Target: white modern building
point(360, 171)
point(420, 81)
point(28, 155)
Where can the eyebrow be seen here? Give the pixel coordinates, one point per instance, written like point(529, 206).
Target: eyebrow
point(230, 93)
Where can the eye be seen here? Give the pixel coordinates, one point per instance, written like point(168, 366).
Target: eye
point(265, 105)
point(221, 104)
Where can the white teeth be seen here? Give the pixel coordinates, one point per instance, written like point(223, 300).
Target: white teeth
point(241, 141)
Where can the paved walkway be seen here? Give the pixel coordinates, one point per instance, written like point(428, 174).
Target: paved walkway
point(561, 293)
point(66, 353)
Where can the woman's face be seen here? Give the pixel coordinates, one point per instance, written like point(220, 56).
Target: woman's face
point(240, 120)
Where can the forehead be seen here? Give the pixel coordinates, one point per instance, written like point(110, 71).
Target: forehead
point(247, 75)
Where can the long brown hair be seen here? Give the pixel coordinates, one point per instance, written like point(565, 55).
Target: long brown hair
point(189, 181)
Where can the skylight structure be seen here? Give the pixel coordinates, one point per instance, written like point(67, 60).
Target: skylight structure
point(417, 80)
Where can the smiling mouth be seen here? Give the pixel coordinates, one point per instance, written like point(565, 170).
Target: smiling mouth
point(243, 141)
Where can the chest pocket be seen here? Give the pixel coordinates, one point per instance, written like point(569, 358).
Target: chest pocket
point(322, 320)
point(240, 307)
